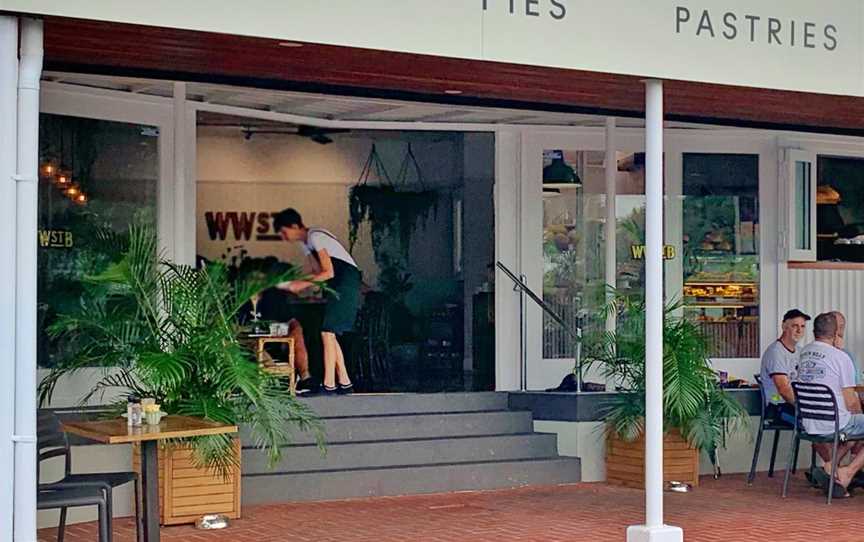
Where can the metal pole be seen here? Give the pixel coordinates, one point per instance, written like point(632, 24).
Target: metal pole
point(654, 530)
point(654, 303)
point(29, 73)
point(8, 171)
point(523, 336)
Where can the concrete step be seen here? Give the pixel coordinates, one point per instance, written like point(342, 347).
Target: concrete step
point(408, 480)
point(395, 453)
point(405, 403)
point(414, 426)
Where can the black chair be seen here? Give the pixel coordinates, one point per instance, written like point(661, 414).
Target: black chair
point(767, 423)
point(817, 402)
point(53, 442)
point(70, 496)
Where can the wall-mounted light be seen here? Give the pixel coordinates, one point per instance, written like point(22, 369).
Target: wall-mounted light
point(291, 44)
point(72, 191)
point(48, 169)
point(453, 91)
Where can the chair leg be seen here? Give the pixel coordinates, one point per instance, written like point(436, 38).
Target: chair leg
point(109, 510)
point(773, 454)
point(752, 474)
point(795, 442)
point(795, 459)
point(61, 528)
point(812, 459)
point(104, 523)
point(833, 472)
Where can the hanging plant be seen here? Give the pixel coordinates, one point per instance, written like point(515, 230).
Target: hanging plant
point(393, 210)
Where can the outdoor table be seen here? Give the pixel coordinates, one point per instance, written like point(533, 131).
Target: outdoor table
point(116, 431)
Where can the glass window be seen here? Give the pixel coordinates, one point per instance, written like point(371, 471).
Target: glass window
point(630, 229)
point(840, 209)
point(95, 176)
point(721, 250)
point(803, 186)
point(573, 273)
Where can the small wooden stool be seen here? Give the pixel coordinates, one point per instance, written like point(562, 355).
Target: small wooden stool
point(278, 369)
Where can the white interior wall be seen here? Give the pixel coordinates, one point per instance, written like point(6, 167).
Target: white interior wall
point(268, 173)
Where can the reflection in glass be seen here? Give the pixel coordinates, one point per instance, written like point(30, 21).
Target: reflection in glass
point(96, 177)
point(802, 205)
point(573, 211)
point(721, 250)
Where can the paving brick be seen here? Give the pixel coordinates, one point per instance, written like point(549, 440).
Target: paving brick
point(724, 510)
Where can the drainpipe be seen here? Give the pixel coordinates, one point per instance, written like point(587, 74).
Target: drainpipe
point(29, 73)
point(8, 170)
point(654, 529)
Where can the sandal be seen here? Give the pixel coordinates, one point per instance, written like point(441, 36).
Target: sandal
point(840, 492)
point(819, 478)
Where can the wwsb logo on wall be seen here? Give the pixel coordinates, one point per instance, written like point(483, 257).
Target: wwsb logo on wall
point(241, 226)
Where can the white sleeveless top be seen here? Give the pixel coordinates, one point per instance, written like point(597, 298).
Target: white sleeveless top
point(319, 238)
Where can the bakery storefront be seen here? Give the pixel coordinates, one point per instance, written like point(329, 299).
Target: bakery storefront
point(750, 131)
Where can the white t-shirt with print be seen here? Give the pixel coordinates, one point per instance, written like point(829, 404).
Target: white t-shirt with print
point(821, 363)
point(321, 239)
point(777, 360)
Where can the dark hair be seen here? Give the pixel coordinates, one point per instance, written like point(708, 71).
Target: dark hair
point(287, 218)
point(825, 325)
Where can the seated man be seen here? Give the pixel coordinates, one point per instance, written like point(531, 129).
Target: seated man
point(824, 362)
point(841, 332)
point(780, 365)
point(273, 306)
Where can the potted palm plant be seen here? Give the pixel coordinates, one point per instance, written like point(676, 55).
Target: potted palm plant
point(167, 331)
point(697, 412)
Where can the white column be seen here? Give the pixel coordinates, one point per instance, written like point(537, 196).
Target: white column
point(30, 71)
point(179, 118)
point(8, 171)
point(508, 151)
point(611, 224)
point(654, 530)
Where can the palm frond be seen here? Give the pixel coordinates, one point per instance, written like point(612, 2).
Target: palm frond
point(168, 331)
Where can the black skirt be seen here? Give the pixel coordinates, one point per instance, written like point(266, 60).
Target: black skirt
point(343, 301)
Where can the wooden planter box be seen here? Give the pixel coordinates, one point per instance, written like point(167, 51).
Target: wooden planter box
point(186, 492)
point(625, 461)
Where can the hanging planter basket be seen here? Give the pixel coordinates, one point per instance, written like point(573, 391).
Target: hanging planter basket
point(392, 209)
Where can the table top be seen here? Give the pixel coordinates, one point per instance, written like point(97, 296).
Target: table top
point(116, 431)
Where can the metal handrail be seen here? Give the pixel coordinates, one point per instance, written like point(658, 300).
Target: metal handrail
point(525, 290)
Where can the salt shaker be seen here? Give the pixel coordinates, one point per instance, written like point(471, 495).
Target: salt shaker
point(134, 412)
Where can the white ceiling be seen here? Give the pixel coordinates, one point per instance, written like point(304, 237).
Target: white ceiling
point(340, 108)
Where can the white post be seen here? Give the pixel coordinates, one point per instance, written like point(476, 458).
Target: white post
point(29, 73)
point(654, 530)
point(181, 245)
point(8, 171)
point(611, 224)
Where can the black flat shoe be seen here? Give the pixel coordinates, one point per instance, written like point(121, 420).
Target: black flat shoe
point(325, 391)
point(345, 389)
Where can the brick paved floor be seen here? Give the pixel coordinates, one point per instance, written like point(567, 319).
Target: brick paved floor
point(723, 510)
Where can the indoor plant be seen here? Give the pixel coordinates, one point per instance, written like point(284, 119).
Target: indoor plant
point(169, 331)
point(697, 412)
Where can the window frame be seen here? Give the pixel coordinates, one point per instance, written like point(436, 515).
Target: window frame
point(788, 239)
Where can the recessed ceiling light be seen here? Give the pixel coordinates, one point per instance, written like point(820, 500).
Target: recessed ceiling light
point(452, 91)
point(292, 44)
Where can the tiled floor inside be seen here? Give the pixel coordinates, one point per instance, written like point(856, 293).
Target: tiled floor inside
point(724, 510)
